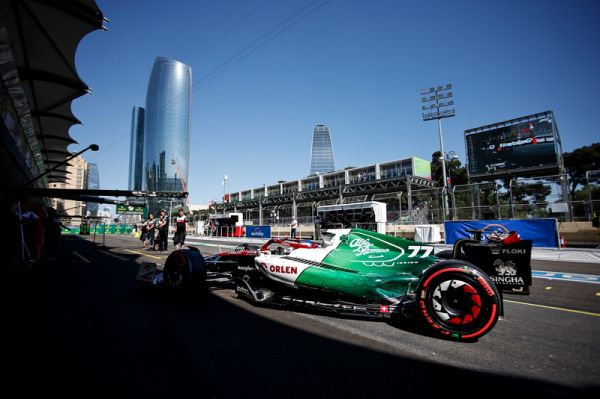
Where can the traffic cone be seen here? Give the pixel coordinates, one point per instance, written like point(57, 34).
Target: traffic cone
point(563, 242)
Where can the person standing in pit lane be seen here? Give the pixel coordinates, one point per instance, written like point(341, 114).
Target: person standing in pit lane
point(150, 232)
point(163, 231)
point(293, 226)
point(179, 237)
point(143, 227)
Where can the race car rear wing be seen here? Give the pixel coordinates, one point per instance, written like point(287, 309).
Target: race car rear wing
point(507, 264)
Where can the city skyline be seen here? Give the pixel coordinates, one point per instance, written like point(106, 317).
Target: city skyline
point(263, 78)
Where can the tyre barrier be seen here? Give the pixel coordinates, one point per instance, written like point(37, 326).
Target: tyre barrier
point(184, 269)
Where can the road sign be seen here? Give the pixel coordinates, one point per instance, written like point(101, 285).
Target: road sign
point(131, 210)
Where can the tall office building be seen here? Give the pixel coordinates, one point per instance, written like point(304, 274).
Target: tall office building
point(93, 183)
point(136, 149)
point(321, 153)
point(167, 127)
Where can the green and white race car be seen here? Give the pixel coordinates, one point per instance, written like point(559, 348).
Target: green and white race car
point(457, 294)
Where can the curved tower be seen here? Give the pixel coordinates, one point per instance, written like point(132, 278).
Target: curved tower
point(167, 126)
point(321, 153)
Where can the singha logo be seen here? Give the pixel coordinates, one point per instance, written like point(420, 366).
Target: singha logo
point(505, 268)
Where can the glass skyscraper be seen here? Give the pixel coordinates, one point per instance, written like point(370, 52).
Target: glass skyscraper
point(321, 153)
point(93, 183)
point(167, 127)
point(136, 149)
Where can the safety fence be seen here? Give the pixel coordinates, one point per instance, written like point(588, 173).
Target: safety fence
point(517, 198)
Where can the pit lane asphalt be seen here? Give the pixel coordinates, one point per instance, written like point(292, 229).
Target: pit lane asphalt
point(80, 327)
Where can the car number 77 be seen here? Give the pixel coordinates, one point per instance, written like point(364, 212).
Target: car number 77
point(416, 248)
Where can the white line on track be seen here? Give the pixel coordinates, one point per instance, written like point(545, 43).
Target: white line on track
point(83, 258)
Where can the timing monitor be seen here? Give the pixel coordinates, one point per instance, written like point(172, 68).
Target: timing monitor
point(526, 146)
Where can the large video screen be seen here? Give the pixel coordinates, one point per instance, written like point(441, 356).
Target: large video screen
point(513, 148)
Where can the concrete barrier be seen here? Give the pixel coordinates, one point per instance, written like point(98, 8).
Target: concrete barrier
point(580, 234)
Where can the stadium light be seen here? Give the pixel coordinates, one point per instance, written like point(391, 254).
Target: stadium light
point(436, 109)
point(225, 178)
point(93, 147)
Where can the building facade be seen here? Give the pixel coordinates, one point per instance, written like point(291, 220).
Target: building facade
point(167, 127)
point(321, 153)
point(77, 169)
point(136, 149)
point(391, 182)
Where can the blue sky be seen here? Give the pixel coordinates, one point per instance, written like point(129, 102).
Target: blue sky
point(355, 65)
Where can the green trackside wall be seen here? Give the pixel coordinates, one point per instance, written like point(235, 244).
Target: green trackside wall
point(100, 229)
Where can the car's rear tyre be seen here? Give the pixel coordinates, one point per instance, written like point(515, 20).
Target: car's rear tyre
point(184, 270)
point(458, 300)
point(446, 254)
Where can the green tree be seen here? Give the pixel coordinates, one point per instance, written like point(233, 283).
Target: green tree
point(454, 170)
point(532, 193)
point(580, 161)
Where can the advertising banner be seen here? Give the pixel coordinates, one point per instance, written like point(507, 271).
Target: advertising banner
point(258, 231)
point(543, 232)
point(132, 210)
point(421, 168)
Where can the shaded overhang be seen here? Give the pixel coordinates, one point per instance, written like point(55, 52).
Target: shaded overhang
point(43, 37)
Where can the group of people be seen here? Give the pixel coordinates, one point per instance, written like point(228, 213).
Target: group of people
point(155, 231)
point(33, 231)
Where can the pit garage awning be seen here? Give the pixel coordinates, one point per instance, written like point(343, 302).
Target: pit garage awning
point(43, 36)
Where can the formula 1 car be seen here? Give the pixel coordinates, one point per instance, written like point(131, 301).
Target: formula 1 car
point(361, 273)
point(244, 254)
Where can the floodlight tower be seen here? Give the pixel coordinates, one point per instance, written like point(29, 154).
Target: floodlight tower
point(225, 178)
point(438, 103)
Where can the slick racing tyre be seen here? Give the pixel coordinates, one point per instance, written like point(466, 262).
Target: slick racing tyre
point(184, 269)
point(458, 300)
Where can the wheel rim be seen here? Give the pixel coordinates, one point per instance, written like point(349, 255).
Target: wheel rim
point(456, 302)
point(174, 278)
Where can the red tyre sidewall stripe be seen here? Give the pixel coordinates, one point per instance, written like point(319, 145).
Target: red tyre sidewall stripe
point(452, 269)
point(487, 325)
